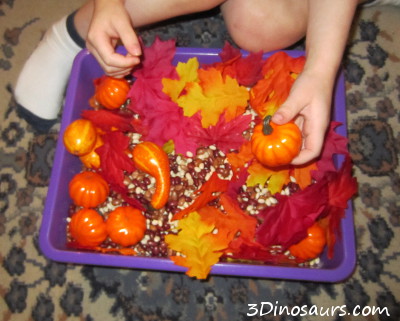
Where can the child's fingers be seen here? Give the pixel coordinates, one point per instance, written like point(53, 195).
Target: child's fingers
point(111, 61)
point(313, 141)
point(130, 41)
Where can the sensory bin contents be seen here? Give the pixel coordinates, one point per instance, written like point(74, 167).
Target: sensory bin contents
point(178, 166)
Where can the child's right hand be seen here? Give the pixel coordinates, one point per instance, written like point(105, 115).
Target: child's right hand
point(309, 104)
point(110, 23)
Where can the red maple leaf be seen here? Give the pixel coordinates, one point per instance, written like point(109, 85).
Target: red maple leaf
point(342, 186)
point(107, 120)
point(146, 95)
point(287, 222)
point(157, 60)
point(246, 70)
point(334, 144)
point(113, 158)
point(254, 251)
point(224, 135)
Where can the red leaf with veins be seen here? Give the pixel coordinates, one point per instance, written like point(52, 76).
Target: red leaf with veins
point(287, 222)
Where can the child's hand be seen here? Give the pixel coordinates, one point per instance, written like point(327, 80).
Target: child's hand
point(110, 23)
point(309, 103)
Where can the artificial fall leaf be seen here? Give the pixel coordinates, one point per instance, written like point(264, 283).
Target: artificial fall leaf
point(286, 223)
point(200, 247)
point(156, 62)
point(114, 160)
point(108, 120)
point(146, 95)
point(160, 127)
point(225, 135)
point(269, 93)
point(232, 221)
point(208, 192)
point(252, 251)
point(246, 70)
point(213, 95)
point(283, 62)
point(193, 100)
point(334, 144)
point(342, 186)
point(187, 72)
point(303, 174)
point(123, 191)
point(239, 159)
point(226, 92)
point(273, 178)
point(157, 112)
point(237, 219)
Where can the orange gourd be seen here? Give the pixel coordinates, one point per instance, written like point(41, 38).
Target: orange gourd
point(152, 159)
point(126, 225)
point(80, 137)
point(92, 159)
point(87, 228)
point(275, 145)
point(312, 246)
point(111, 92)
point(88, 189)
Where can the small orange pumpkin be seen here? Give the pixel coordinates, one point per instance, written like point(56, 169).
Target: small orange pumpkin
point(275, 145)
point(111, 92)
point(92, 159)
point(80, 137)
point(126, 225)
point(152, 159)
point(311, 246)
point(88, 189)
point(88, 228)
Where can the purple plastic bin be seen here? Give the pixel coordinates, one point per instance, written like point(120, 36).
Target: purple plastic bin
point(53, 228)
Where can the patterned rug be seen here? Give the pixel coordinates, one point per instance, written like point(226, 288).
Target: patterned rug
point(35, 288)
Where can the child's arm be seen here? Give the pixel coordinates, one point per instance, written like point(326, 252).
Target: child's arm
point(311, 95)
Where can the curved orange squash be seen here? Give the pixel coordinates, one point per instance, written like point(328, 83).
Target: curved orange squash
point(152, 159)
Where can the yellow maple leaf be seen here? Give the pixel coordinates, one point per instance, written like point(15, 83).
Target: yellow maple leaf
point(200, 247)
point(214, 95)
point(273, 179)
point(193, 100)
point(187, 72)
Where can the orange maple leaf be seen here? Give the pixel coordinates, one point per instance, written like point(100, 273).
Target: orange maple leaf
point(302, 174)
point(280, 71)
point(234, 222)
point(209, 191)
point(240, 159)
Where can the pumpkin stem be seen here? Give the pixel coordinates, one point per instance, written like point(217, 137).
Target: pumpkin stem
point(267, 129)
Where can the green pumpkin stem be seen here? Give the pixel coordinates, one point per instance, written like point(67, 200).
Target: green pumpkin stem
point(267, 129)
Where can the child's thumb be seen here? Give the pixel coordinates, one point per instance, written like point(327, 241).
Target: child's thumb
point(284, 114)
